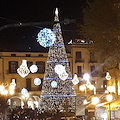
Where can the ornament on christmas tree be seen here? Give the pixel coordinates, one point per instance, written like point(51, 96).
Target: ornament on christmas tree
point(23, 70)
point(33, 68)
point(46, 37)
point(37, 81)
point(63, 75)
point(54, 84)
point(59, 69)
point(75, 79)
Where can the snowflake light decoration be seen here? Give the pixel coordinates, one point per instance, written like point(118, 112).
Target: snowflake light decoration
point(46, 37)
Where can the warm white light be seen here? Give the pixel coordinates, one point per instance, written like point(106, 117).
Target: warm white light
point(91, 87)
point(86, 76)
point(75, 79)
point(4, 92)
point(85, 102)
point(33, 68)
point(11, 92)
point(82, 87)
point(109, 98)
point(2, 88)
point(111, 89)
point(108, 77)
point(95, 100)
point(56, 11)
point(23, 70)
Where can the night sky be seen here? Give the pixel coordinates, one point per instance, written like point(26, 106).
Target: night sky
point(15, 37)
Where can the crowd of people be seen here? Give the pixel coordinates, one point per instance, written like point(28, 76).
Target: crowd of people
point(29, 114)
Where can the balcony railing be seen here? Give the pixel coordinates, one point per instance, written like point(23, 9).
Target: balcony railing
point(79, 60)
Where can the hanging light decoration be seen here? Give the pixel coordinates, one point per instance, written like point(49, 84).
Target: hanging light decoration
point(46, 37)
point(54, 84)
point(108, 77)
point(33, 68)
point(23, 70)
point(24, 91)
point(37, 81)
point(75, 79)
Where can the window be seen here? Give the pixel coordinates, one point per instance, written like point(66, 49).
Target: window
point(92, 70)
point(29, 63)
point(28, 55)
point(13, 66)
point(79, 71)
point(28, 84)
point(104, 84)
point(40, 55)
point(79, 56)
point(92, 57)
point(13, 55)
point(41, 66)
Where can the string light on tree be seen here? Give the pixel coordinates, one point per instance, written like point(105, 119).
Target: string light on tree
point(46, 37)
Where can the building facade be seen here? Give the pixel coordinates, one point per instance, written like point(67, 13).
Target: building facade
point(81, 60)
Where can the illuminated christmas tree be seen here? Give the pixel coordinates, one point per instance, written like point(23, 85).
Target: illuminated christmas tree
point(57, 88)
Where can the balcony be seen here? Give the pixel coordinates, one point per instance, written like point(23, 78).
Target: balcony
point(92, 61)
point(79, 60)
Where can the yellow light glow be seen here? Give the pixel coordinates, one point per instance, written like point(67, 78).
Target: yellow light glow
point(4, 92)
point(86, 76)
point(91, 87)
point(85, 102)
point(82, 87)
point(111, 89)
point(95, 100)
point(11, 92)
point(109, 97)
point(2, 87)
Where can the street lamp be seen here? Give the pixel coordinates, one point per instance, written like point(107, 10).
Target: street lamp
point(109, 99)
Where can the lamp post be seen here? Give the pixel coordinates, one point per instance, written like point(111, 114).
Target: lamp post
point(109, 99)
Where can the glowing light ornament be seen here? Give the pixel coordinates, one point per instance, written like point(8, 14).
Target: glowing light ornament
point(33, 68)
point(63, 76)
point(54, 84)
point(24, 91)
point(75, 79)
point(108, 77)
point(37, 81)
point(46, 37)
point(12, 85)
point(60, 70)
point(23, 70)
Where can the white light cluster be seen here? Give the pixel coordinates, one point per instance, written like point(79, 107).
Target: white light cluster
point(37, 81)
point(60, 70)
